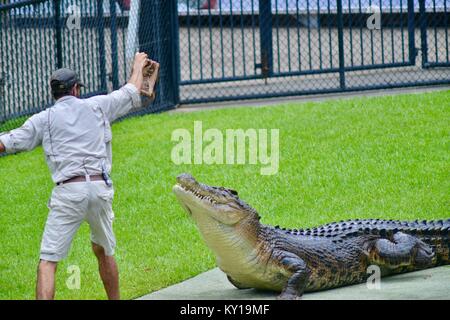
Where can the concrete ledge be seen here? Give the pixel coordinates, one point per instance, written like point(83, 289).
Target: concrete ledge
point(266, 102)
point(213, 285)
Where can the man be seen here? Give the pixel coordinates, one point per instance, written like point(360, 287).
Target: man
point(76, 136)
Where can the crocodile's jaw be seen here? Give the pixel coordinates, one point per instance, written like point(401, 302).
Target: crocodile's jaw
point(221, 237)
point(203, 211)
point(220, 204)
point(232, 236)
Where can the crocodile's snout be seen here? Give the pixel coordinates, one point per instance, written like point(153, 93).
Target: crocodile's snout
point(186, 180)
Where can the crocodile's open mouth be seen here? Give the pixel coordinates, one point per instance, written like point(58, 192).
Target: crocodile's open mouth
point(221, 204)
point(197, 193)
point(187, 185)
point(193, 195)
point(190, 198)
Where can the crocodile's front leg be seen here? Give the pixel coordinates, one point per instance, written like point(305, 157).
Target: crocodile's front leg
point(403, 250)
point(296, 284)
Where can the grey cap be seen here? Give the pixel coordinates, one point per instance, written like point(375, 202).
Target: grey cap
point(62, 80)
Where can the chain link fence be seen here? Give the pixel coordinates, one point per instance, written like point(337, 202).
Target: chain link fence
point(216, 50)
point(98, 39)
point(268, 48)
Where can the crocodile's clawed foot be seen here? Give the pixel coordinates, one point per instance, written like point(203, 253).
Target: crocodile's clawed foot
point(289, 296)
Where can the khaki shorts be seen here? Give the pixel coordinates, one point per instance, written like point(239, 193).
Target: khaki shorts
point(70, 205)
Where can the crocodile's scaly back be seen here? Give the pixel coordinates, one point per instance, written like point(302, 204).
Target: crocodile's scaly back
point(435, 233)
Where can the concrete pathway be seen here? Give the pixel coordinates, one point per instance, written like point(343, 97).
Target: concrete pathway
point(213, 285)
point(306, 98)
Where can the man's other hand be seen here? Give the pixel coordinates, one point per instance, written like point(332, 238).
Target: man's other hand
point(2, 147)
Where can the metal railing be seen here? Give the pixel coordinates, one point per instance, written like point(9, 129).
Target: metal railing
point(268, 48)
point(97, 38)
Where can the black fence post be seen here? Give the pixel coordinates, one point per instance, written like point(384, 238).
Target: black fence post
point(114, 50)
point(411, 35)
point(58, 33)
point(265, 27)
point(158, 37)
point(146, 35)
point(423, 32)
point(175, 44)
point(101, 45)
point(341, 45)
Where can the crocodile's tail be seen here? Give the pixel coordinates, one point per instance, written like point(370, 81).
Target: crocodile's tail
point(435, 233)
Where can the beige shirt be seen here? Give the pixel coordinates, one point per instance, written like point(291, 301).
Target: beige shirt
point(75, 133)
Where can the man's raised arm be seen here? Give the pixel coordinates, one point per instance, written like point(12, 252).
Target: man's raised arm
point(118, 103)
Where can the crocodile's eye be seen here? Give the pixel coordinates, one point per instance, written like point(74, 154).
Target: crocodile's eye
point(234, 192)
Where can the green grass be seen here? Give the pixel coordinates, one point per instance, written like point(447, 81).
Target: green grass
point(12, 124)
point(385, 157)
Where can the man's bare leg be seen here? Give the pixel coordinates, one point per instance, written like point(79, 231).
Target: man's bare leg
point(108, 272)
point(45, 287)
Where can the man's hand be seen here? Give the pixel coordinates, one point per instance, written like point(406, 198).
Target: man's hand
point(141, 60)
point(2, 147)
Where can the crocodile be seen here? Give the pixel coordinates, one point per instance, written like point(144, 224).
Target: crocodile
point(294, 261)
